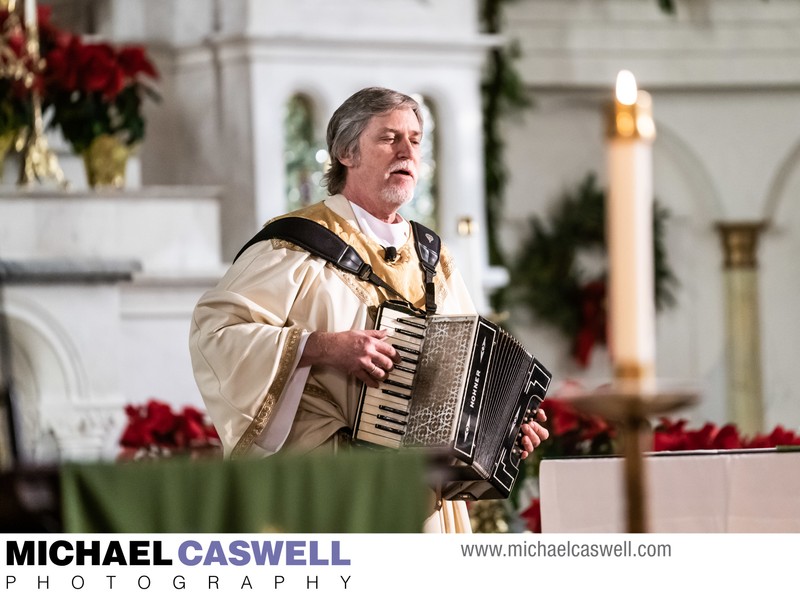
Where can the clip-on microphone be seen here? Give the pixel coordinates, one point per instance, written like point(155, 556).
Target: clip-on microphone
point(390, 253)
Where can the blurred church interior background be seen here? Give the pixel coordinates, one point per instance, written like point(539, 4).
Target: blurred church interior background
point(100, 283)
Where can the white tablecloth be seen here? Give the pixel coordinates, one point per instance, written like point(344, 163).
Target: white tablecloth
point(721, 491)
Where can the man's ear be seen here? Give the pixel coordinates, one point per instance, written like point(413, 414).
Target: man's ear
point(347, 161)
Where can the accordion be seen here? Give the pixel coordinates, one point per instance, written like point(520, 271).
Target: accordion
point(462, 392)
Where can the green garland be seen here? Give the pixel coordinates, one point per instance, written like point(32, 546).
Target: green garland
point(504, 93)
point(547, 277)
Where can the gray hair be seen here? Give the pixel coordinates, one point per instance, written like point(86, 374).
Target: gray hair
point(350, 120)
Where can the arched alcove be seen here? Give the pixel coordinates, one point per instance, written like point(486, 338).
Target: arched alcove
point(46, 377)
point(304, 153)
point(782, 185)
point(779, 285)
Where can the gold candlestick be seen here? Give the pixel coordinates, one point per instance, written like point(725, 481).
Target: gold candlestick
point(12, 66)
point(634, 396)
point(629, 405)
point(38, 161)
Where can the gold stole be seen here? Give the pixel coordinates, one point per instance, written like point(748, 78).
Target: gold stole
point(403, 274)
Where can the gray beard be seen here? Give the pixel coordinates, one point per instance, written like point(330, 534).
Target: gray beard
point(397, 196)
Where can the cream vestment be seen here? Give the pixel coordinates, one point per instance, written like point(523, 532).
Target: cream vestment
point(247, 336)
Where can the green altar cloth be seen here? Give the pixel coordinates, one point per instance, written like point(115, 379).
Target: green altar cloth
point(353, 492)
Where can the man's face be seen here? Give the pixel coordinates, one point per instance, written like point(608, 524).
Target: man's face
point(385, 173)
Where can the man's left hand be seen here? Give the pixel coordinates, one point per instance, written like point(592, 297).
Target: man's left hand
point(533, 434)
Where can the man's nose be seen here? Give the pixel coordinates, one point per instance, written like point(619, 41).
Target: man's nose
point(405, 149)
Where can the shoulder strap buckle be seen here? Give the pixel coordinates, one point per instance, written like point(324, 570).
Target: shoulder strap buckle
point(428, 245)
point(364, 272)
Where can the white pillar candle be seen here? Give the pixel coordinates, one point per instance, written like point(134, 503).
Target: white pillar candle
point(629, 232)
point(31, 21)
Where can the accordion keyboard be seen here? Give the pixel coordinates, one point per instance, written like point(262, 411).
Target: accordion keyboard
point(462, 391)
point(385, 409)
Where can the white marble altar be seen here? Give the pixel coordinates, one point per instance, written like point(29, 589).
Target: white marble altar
point(687, 492)
point(98, 287)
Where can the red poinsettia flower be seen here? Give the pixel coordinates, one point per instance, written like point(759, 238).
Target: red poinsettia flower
point(674, 436)
point(594, 426)
point(63, 66)
point(135, 434)
point(593, 320)
point(96, 89)
point(99, 70)
point(193, 425)
point(88, 68)
point(761, 440)
point(162, 421)
point(670, 436)
point(155, 424)
point(701, 439)
point(133, 62)
point(562, 417)
point(779, 436)
point(196, 431)
point(727, 438)
point(50, 36)
point(151, 424)
point(533, 515)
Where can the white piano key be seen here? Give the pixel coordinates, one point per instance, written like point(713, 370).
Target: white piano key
point(378, 398)
point(393, 428)
point(400, 375)
point(375, 410)
point(372, 435)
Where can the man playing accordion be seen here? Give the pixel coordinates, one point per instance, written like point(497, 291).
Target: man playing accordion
point(279, 347)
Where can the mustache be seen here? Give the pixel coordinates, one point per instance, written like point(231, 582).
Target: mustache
point(404, 166)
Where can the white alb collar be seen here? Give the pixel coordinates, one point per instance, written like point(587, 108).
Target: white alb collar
point(386, 234)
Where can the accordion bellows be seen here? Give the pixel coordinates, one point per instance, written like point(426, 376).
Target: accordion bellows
point(463, 390)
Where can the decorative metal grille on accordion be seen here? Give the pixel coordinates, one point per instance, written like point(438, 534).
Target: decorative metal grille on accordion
point(463, 389)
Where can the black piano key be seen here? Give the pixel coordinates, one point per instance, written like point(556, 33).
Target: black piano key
point(410, 323)
point(401, 368)
point(396, 394)
point(395, 411)
point(405, 349)
point(409, 360)
point(391, 420)
point(409, 333)
point(389, 429)
point(392, 382)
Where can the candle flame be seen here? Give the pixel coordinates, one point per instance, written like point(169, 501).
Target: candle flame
point(626, 87)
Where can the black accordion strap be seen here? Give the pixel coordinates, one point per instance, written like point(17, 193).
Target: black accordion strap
point(428, 245)
point(323, 243)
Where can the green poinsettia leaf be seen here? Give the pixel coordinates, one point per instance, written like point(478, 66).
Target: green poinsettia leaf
point(548, 278)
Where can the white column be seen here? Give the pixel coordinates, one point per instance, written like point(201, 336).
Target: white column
point(742, 324)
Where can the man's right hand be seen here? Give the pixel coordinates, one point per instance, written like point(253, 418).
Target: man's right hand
point(361, 353)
